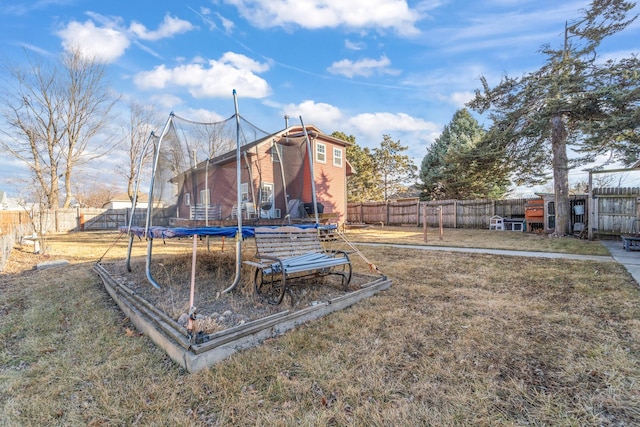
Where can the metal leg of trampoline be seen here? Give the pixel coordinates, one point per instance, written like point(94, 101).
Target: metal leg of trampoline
point(129, 248)
point(148, 264)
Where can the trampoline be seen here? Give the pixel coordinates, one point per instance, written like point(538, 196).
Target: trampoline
point(180, 186)
point(158, 232)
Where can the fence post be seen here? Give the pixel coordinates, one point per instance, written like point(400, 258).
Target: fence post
point(455, 214)
point(386, 203)
point(424, 226)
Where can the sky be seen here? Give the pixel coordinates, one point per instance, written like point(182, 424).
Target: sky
point(367, 68)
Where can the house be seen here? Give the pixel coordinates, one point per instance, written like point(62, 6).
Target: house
point(7, 203)
point(275, 178)
point(122, 201)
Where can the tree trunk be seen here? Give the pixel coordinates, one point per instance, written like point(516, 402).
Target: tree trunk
point(53, 192)
point(560, 175)
point(67, 188)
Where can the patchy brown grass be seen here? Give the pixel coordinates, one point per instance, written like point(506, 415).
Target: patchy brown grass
point(469, 238)
point(459, 339)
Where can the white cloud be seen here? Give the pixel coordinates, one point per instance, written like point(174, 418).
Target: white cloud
point(165, 101)
point(325, 116)
point(516, 22)
point(453, 86)
point(34, 48)
point(105, 44)
point(414, 133)
point(168, 28)
point(108, 40)
point(241, 61)
point(459, 99)
point(365, 67)
point(375, 125)
point(215, 78)
point(315, 14)
point(368, 128)
point(202, 115)
point(351, 45)
point(226, 23)
point(511, 30)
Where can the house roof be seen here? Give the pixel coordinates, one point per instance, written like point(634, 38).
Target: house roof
point(6, 203)
point(291, 133)
point(124, 197)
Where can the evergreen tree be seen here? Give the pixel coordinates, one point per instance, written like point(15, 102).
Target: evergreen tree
point(396, 170)
point(574, 100)
point(457, 166)
point(363, 185)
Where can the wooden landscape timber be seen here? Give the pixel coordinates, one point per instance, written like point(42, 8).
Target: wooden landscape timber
point(212, 348)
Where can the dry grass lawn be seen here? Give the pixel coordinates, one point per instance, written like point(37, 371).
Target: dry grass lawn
point(459, 339)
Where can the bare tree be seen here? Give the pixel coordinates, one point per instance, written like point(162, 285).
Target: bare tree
point(142, 120)
point(53, 114)
point(92, 196)
point(89, 101)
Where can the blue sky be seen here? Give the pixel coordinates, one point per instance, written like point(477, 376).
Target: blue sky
point(363, 67)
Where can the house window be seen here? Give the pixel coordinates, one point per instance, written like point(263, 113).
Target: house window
point(187, 199)
point(321, 152)
point(337, 157)
point(276, 153)
point(266, 200)
point(244, 191)
point(204, 197)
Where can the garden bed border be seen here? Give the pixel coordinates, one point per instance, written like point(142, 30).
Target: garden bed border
point(172, 337)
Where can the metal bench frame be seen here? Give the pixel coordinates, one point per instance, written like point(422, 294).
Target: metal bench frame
point(287, 252)
point(630, 243)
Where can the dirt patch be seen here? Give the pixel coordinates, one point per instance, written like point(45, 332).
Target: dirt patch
point(215, 309)
point(23, 259)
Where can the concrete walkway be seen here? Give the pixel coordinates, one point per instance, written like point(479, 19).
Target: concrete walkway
point(630, 260)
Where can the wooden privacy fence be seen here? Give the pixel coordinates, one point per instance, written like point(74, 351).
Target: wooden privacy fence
point(616, 210)
point(9, 220)
point(455, 213)
point(13, 226)
point(64, 220)
point(611, 211)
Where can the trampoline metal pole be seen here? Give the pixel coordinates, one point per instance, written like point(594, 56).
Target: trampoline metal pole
point(192, 309)
point(236, 279)
point(313, 176)
point(135, 198)
point(150, 206)
point(284, 183)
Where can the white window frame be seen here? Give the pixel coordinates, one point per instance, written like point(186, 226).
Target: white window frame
point(267, 195)
point(205, 196)
point(187, 199)
point(337, 157)
point(321, 156)
point(244, 191)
